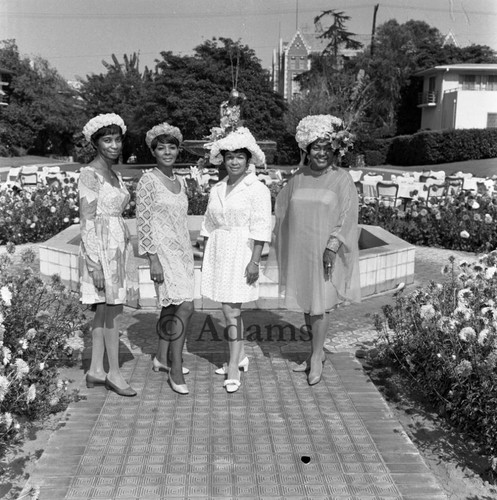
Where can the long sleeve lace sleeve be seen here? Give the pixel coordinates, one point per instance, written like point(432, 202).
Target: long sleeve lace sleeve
point(145, 199)
point(88, 188)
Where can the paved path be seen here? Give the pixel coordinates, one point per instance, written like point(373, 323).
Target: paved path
point(274, 438)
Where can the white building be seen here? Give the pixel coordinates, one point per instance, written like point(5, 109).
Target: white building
point(458, 96)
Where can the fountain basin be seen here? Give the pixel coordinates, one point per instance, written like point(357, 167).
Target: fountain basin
point(385, 262)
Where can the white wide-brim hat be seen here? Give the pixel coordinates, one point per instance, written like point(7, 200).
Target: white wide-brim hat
point(238, 139)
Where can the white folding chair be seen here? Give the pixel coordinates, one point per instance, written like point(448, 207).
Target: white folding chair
point(355, 174)
point(387, 193)
point(29, 176)
point(13, 175)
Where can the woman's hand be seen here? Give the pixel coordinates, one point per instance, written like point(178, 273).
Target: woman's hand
point(328, 262)
point(156, 272)
point(252, 273)
point(98, 279)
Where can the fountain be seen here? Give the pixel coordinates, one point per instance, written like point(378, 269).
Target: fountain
point(385, 262)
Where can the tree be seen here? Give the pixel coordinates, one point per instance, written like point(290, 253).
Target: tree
point(337, 34)
point(121, 90)
point(42, 114)
point(187, 91)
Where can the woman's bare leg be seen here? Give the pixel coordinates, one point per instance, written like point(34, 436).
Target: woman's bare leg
point(97, 343)
point(111, 340)
point(234, 326)
point(320, 325)
point(179, 327)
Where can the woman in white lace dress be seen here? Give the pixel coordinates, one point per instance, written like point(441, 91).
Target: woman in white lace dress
point(107, 269)
point(236, 224)
point(163, 236)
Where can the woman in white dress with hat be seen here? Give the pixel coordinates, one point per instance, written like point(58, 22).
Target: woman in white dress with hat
point(236, 224)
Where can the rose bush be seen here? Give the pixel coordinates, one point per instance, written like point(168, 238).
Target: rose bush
point(445, 338)
point(40, 331)
point(462, 222)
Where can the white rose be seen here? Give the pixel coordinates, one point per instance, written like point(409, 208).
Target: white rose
point(6, 295)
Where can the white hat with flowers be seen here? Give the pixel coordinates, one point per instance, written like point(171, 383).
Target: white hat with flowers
point(239, 138)
point(163, 129)
point(100, 121)
point(326, 127)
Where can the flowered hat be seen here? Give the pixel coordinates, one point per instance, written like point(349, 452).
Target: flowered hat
point(327, 127)
point(163, 129)
point(237, 139)
point(100, 121)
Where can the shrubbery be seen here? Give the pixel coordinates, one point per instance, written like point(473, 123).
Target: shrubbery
point(40, 330)
point(445, 337)
point(443, 146)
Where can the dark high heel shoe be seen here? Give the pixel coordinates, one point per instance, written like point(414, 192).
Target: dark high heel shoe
point(92, 381)
point(128, 392)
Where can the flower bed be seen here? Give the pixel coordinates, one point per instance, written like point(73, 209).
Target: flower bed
point(40, 331)
point(464, 222)
point(445, 338)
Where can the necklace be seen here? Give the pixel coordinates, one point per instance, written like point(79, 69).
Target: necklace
point(319, 173)
point(172, 179)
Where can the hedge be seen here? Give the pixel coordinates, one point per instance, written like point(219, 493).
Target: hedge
point(442, 146)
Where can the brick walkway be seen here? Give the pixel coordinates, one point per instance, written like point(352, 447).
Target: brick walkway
point(274, 438)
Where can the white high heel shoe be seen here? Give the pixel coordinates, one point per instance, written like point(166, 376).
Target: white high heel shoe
point(157, 366)
point(179, 388)
point(243, 365)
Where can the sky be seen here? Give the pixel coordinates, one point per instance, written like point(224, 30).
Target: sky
point(76, 35)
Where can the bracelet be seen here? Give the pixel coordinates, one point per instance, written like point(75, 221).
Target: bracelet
point(256, 263)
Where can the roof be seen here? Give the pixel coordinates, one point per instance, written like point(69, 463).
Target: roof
point(458, 67)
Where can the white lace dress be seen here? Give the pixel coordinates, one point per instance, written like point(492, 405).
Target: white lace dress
point(161, 219)
point(232, 222)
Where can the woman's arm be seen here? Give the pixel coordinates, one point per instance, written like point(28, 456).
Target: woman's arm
point(145, 200)
point(88, 189)
point(252, 269)
point(260, 229)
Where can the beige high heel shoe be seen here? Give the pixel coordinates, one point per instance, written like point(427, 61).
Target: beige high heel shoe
point(157, 366)
point(304, 366)
point(316, 378)
point(243, 365)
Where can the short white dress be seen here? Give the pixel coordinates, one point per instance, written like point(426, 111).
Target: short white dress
point(232, 222)
point(161, 220)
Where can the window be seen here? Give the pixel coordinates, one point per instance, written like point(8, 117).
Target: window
point(478, 82)
point(431, 84)
point(492, 120)
point(492, 82)
point(292, 62)
point(295, 88)
point(468, 82)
